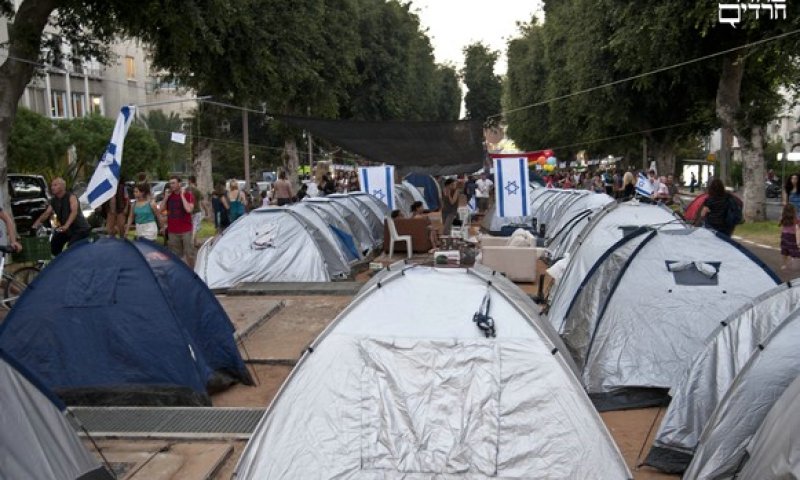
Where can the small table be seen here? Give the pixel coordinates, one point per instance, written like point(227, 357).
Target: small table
point(466, 247)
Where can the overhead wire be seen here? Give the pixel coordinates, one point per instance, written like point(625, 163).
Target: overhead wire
point(648, 73)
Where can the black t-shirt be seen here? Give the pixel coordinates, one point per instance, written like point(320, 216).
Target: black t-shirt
point(62, 209)
point(717, 210)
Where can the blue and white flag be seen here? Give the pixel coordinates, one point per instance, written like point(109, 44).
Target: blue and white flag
point(378, 182)
point(643, 186)
point(511, 188)
point(103, 184)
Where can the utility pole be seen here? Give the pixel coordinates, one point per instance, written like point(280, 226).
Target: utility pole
point(246, 142)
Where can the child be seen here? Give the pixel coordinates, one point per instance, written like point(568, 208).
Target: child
point(789, 222)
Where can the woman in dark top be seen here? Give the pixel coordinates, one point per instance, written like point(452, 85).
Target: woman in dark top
point(715, 208)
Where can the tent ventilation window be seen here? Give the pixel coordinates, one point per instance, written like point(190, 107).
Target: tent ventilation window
point(628, 229)
point(694, 273)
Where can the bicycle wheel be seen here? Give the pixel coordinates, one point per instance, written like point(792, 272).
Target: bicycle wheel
point(16, 283)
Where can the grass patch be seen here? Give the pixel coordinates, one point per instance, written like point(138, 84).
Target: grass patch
point(766, 233)
point(206, 231)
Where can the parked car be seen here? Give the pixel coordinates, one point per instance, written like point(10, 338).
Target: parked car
point(157, 190)
point(29, 199)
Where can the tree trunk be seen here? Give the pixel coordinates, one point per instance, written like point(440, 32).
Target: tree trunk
point(753, 176)
point(201, 167)
point(25, 33)
point(291, 162)
point(728, 103)
point(664, 154)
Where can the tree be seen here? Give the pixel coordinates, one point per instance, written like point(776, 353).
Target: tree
point(89, 26)
point(484, 88)
point(746, 81)
point(448, 102)
point(37, 145)
point(173, 156)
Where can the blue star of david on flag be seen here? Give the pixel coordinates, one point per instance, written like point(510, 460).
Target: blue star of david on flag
point(379, 193)
point(512, 187)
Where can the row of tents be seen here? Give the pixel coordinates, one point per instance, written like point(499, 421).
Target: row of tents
point(316, 240)
point(652, 310)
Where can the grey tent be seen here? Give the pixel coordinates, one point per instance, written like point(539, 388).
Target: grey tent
point(774, 451)
point(403, 198)
point(269, 245)
point(571, 220)
point(377, 206)
point(403, 384)
point(770, 370)
point(341, 257)
point(357, 226)
point(36, 439)
point(547, 214)
point(362, 206)
point(415, 193)
point(644, 309)
point(572, 208)
point(607, 227)
point(712, 372)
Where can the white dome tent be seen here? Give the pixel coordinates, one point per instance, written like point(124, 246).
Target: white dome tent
point(712, 372)
point(268, 245)
point(644, 309)
point(607, 227)
point(769, 372)
point(504, 407)
point(36, 439)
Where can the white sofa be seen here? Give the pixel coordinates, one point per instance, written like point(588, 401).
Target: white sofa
point(517, 263)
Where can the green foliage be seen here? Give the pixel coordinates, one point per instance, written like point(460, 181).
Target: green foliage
point(484, 87)
point(40, 145)
point(37, 146)
point(173, 156)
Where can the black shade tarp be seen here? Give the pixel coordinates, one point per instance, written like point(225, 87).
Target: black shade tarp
point(435, 148)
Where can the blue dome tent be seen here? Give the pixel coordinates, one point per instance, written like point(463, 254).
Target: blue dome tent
point(115, 322)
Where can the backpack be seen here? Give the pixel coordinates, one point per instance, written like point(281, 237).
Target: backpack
point(733, 212)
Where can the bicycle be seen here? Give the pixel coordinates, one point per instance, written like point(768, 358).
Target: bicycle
point(15, 283)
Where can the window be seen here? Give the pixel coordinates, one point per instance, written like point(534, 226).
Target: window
point(96, 105)
point(694, 273)
point(78, 105)
point(26, 187)
point(130, 68)
point(92, 67)
point(58, 104)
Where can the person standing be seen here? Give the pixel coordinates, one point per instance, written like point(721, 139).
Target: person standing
point(73, 226)
point(282, 190)
point(180, 205)
point(692, 183)
point(116, 210)
point(791, 192)
point(449, 205)
point(236, 201)
point(482, 189)
point(470, 188)
point(197, 212)
point(220, 206)
point(11, 231)
point(789, 224)
point(714, 211)
point(143, 213)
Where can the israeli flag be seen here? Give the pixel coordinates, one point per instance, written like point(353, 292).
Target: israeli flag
point(511, 188)
point(103, 184)
point(378, 182)
point(643, 186)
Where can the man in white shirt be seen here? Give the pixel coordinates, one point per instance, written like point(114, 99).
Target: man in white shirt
point(482, 189)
